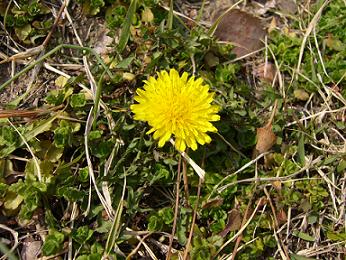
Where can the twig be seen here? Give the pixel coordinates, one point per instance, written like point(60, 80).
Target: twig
point(240, 237)
point(57, 19)
point(141, 241)
point(187, 247)
point(176, 210)
point(308, 31)
point(242, 228)
point(276, 226)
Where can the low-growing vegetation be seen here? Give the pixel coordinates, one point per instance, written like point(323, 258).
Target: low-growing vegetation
point(81, 178)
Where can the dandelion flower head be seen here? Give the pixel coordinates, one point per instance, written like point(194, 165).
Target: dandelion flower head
point(177, 106)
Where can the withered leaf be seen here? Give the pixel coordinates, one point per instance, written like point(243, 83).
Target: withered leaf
point(233, 223)
point(213, 203)
point(31, 249)
point(242, 29)
point(266, 72)
point(281, 217)
point(277, 185)
point(265, 139)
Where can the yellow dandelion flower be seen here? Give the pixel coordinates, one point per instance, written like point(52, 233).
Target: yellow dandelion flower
point(177, 106)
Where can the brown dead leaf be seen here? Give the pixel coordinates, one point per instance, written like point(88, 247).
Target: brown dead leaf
point(265, 72)
point(102, 42)
point(265, 135)
point(287, 6)
point(281, 217)
point(265, 138)
point(272, 25)
point(243, 29)
point(217, 202)
point(31, 248)
point(277, 185)
point(233, 223)
point(269, 161)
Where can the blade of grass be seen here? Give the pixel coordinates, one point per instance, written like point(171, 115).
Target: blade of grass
point(37, 165)
point(108, 208)
point(115, 230)
point(44, 125)
point(8, 253)
point(200, 12)
point(301, 149)
point(97, 99)
point(125, 32)
point(170, 16)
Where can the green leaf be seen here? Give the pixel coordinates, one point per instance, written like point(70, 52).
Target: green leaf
point(115, 16)
point(299, 257)
point(181, 232)
point(155, 223)
point(301, 150)
point(125, 32)
point(3, 189)
point(37, 128)
point(78, 100)
point(62, 137)
point(23, 32)
point(161, 173)
point(53, 153)
point(53, 243)
point(84, 174)
point(341, 166)
point(125, 63)
point(55, 97)
point(167, 215)
point(82, 234)
point(102, 149)
point(12, 201)
point(105, 227)
point(94, 135)
point(303, 236)
point(70, 193)
point(8, 136)
point(94, 256)
point(336, 236)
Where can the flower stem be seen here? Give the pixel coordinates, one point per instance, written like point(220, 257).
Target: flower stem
point(176, 210)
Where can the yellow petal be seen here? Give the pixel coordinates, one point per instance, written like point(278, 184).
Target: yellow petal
point(180, 144)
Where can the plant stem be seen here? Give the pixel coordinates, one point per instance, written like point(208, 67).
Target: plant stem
point(187, 247)
point(176, 210)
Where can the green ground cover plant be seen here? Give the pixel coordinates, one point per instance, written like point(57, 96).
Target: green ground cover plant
point(80, 178)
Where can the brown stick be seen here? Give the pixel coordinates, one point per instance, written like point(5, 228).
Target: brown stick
point(57, 19)
point(176, 210)
point(27, 113)
point(240, 237)
point(276, 222)
point(187, 247)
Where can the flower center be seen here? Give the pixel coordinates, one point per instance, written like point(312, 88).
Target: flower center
point(178, 112)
